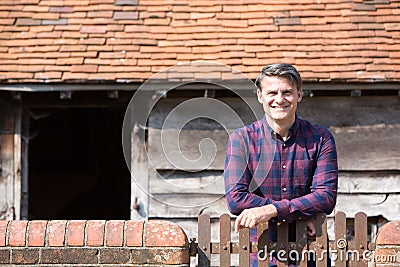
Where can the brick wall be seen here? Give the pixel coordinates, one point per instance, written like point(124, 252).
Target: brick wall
point(98, 243)
point(387, 251)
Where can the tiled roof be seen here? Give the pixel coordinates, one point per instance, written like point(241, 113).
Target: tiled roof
point(130, 40)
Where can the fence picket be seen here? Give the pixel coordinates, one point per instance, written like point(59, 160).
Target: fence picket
point(340, 239)
point(301, 242)
point(204, 248)
point(244, 247)
point(361, 241)
point(225, 247)
point(283, 243)
point(262, 231)
point(225, 240)
point(321, 243)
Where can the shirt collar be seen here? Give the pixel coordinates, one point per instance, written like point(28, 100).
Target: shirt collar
point(292, 130)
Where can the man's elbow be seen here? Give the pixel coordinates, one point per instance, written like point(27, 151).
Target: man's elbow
point(330, 203)
point(233, 206)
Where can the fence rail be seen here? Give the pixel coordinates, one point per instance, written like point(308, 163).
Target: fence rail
point(344, 252)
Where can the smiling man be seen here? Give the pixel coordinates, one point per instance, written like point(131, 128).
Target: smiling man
point(281, 168)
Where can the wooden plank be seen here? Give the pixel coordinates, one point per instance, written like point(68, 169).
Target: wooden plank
point(225, 240)
point(24, 166)
point(207, 182)
point(139, 175)
point(190, 150)
point(356, 121)
point(326, 111)
point(361, 241)
point(225, 117)
point(381, 153)
point(350, 111)
point(193, 152)
point(262, 232)
point(301, 241)
point(204, 247)
point(7, 130)
point(186, 205)
point(244, 247)
point(371, 204)
point(340, 244)
point(321, 244)
point(283, 244)
point(369, 182)
point(17, 173)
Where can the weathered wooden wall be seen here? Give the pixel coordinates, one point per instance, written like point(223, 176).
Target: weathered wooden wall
point(10, 161)
point(366, 131)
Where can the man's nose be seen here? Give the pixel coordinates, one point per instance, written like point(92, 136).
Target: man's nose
point(279, 98)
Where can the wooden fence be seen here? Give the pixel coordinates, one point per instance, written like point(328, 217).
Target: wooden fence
point(344, 252)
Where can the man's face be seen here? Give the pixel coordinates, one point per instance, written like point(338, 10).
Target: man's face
point(279, 98)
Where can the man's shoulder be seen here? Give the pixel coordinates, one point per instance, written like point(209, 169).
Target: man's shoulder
point(254, 127)
point(314, 129)
point(249, 131)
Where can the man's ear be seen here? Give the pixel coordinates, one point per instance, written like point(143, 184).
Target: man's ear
point(300, 95)
point(259, 95)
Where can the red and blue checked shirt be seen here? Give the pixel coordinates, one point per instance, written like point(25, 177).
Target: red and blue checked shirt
point(298, 176)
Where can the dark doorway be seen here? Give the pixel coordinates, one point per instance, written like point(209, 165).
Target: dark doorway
point(76, 164)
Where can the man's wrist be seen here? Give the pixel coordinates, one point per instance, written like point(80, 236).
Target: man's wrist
point(271, 211)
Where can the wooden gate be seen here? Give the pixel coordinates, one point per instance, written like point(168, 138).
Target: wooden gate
point(342, 251)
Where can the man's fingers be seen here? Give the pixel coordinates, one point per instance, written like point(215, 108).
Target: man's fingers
point(238, 222)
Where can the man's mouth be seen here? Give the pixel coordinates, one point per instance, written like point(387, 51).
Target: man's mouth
point(280, 107)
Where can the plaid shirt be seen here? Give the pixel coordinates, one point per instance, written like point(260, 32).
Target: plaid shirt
point(298, 176)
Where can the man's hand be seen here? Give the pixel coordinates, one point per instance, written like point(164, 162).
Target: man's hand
point(250, 218)
point(311, 228)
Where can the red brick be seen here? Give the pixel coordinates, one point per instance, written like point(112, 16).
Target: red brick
point(126, 15)
point(157, 21)
point(134, 233)
point(75, 76)
point(93, 29)
point(389, 234)
point(48, 75)
point(182, 8)
point(27, 22)
point(95, 233)
point(52, 16)
point(166, 256)
point(17, 233)
point(56, 233)
point(3, 231)
point(36, 233)
point(165, 233)
point(102, 76)
point(61, 9)
point(84, 68)
point(76, 233)
point(25, 256)
point(17, 75)
point(287, 21)
point(115, 233)
point(235, 23)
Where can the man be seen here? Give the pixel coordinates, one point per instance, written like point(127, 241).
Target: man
point(281, 167)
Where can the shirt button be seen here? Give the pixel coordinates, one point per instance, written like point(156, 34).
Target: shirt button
point(284, 145)
point(284, 166)
point(284, 189)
